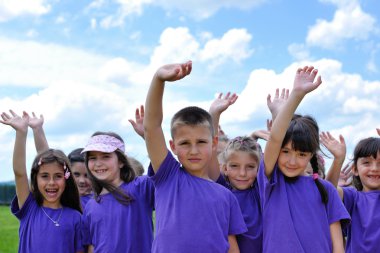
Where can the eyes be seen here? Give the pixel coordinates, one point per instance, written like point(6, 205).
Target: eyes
point(298, 153)
point(187, 143)
point(47, 176)
point(104, 156)
point(248, 167)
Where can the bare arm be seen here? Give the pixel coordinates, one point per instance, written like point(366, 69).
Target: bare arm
point(154, 136)
point(337, 237)
point(234, 248)
point(20, 124)
point(338, 150)
point(303, 84)
point(219, 105)
point(40, 140)
point(90, 249)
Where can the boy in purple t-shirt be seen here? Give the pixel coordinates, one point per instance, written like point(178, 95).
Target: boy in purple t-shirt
point(193, 213)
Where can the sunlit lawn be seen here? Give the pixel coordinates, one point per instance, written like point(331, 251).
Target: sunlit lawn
point(8, 231)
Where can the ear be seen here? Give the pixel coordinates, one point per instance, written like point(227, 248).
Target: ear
point(215, 143)
point(224, 169)
point(355, 170)
point(172, 147)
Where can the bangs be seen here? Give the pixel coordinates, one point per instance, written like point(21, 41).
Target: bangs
point(367, 147)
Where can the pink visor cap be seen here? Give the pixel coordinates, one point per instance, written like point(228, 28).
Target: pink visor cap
point(104, 143)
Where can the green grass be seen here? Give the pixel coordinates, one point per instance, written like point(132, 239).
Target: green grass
point(8, 231)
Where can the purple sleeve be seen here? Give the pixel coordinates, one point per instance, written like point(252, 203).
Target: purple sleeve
point(147, 187)
point(167, 168)
point(150, 170)
point(237, 225)
point(20, 213)
point(78, 237)
point(335, 208)
point(266, 185)
point(349, 195)
point(222, 181)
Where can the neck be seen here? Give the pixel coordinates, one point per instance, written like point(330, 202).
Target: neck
point(54, 205)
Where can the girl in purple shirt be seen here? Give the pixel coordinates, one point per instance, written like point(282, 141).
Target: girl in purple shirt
point(119, 217)
point(300, 213)
point(49, 211)
point(363, 200)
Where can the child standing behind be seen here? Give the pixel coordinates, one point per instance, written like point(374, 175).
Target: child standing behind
point(193, 213)
point(300, 213)
point(49, 211)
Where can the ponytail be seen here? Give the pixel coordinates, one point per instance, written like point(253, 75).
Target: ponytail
point(321, 188)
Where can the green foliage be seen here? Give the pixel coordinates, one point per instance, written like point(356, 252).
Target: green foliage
point(8, 231)
point(7, 192)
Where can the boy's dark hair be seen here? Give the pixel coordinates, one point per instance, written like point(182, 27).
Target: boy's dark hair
point(70, 196)
point(365, 148)
point(76, 156)
point(303, 133)
point(191, 116)
point(127, 174)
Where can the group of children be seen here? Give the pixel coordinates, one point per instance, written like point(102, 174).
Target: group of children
point(234, 198)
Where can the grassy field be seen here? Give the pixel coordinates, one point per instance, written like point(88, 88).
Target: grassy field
point(8, 231)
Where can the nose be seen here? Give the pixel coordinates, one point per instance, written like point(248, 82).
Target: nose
point(51, 180)
point(194, 149)
point(242, 171)
point(81, 179)
point(292, 160)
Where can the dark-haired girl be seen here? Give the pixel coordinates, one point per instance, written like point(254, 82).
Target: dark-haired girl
point(49, 211)
point(119, 217)
point(300, 213)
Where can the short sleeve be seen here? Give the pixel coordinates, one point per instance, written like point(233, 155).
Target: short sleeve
point(237, 224)
point(335, 208)
point(349, 196)
point(266, 185)
point(85, 230)
point(78, 236)
point(168, 168)
point(20, 213)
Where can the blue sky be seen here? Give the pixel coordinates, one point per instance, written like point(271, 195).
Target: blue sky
point(86, 65)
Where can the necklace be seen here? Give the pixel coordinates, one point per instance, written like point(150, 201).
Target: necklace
point(54, 221)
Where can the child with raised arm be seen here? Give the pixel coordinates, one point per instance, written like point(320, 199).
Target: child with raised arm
point(119, 217)
point(49, 211)
point(193, 213)
point(363, 201)
point(300, 213)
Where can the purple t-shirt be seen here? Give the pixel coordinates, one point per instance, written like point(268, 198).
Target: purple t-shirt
point(363, 234)
point(193, 214)
point(113, 227)
point(249, 201)
point(84, 199)
point(39, 234)
point(294, 217)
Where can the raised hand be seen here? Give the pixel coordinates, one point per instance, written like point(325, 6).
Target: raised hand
point(278, 101)
point(378, 131)
point(173, 72)
point(35, 122)
point(336, 148)
point(221, 103)
point(19, 123)
point(138, 123)
point(345, 176)
point(304, 81)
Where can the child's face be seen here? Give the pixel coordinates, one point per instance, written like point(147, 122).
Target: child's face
point(241, 169)
point(293, 163)
point(368, 169)
point(80, 175)
point(105, 166)
point(51, 184)
point(194, 146)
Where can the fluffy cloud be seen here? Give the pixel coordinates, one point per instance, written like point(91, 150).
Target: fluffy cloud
point(349, 22)
point(15, 8)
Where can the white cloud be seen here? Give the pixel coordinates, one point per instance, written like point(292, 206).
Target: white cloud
point(40, 64)
point(93, 23)
point(60, 20)
point(13, 8)
point(32, 33)
point(349, 22)
point(357, 105)
point(234, 45)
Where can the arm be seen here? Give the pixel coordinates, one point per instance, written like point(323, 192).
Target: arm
point(90, 249)
point(303, 84)
point(38, 132)
point(336, 237)
point(219, 105)
point(378, 131)
point(338, 150)
point(154, 136)
point(20, 124)
point(138, 123)
point(234, 248)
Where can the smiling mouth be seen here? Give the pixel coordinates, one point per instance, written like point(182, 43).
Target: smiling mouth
point(100, 171)
point(51, 192)
point(374, 177)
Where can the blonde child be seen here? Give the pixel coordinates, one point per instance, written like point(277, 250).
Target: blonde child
point(193, 213)
point(119, 217)
point(363, 200)
point(49, 211)
point(300, 213)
